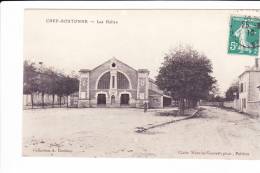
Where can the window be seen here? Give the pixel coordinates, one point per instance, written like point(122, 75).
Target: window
point(113, 81)
point(244, 103)
point(113, 65)
point(241, 87)
point(104, 81)
point(122, 81)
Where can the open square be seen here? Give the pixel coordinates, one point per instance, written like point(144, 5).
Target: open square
point(111, 132)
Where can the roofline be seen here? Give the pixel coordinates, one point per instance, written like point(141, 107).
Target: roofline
point(248, 72)
point(84, 70)
point(100, 64)
point(124, 64)
point(116, 60)
point(151, 80)
point(167, 96)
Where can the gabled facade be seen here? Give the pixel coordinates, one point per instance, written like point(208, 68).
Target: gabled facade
point(115, 84)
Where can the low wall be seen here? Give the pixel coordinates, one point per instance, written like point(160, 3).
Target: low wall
point(217, 104)
point(37, 100)
point(228, 104)
point(236, 104)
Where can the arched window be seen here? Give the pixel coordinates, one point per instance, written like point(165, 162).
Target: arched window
point(122, 81)
point(104, 81)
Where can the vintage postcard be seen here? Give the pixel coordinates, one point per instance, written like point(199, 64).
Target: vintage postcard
point(141, 83)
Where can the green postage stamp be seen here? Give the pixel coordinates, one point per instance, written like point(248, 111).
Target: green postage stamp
point(244, 36)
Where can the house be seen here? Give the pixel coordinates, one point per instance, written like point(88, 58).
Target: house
point(115, 84)
point(249, 93)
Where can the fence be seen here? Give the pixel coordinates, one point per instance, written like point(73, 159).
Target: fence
point(48, 100)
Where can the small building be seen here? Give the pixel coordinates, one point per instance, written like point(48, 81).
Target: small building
point(115, 84)
point(249, 93)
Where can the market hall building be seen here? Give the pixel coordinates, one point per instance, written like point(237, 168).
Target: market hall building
point(115, 84)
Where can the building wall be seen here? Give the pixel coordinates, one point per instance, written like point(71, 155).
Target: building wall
point(236, 104)
point(254, 94)
point(96, 73)
point(243, 95)
point(156, 101)
point(94, 77)
point(139, 85)
point(254, 81)
point(251, 93)
point(254, 108)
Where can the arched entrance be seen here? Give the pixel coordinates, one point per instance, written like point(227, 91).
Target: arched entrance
point(101, 99)
point(124, 99)
point(113, 100)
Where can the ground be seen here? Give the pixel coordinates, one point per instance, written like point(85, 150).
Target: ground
point(111, 132)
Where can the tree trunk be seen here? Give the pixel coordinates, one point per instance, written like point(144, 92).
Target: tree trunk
point(67, 101)
point(42, 99)
point(53, 97)
point(188, 103)
point(194, 103)
point(181, 106)
point(32, 99)
point(60, 101)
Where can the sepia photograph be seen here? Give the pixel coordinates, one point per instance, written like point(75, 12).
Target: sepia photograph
point(141, 83)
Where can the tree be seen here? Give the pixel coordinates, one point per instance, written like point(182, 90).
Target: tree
point(43, 81)
point(30, 78)
point(71, 85)
point(66, 85)
point(232, 92)
point(60, 82)
point(186, 75)
point(52, 87)
point(47, 80)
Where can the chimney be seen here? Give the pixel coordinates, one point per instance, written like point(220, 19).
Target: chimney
point(256, 62)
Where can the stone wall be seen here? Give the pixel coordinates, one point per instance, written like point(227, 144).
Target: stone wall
point(228, 104)
point(205, 103)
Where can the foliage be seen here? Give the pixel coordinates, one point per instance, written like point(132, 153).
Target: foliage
point(232, 92)
point(46, 80)
point(186, 74)
point(30, 84)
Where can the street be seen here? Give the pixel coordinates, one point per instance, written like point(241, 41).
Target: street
point(110, 132)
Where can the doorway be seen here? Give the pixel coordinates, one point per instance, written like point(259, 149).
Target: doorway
point(113, 100)
point(101, 99)
point(124, 100)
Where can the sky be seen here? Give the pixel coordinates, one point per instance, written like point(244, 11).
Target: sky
point(139, 38)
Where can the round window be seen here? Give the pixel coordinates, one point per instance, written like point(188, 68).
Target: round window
point(113, 64)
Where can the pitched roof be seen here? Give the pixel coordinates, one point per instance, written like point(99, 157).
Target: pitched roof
point(113, 59)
